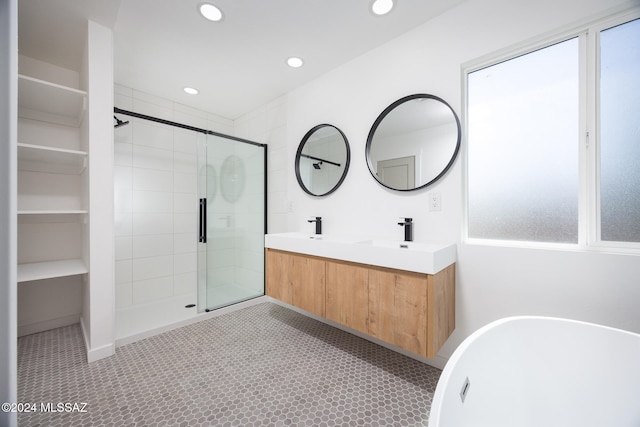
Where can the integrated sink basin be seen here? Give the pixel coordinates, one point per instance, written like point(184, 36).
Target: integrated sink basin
point(420, 257)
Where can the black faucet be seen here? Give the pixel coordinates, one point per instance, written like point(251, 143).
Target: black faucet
point(408, 229)
point(318, 222)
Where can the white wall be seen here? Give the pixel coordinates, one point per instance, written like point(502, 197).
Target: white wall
point(8, 138)
point(492, 282)
point(98, 311)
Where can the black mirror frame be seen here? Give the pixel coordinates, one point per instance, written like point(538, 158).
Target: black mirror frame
point(304, 140)
point(385, 113)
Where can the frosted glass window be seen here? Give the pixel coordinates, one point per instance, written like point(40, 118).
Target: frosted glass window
point(523, 131)
point(620, 133)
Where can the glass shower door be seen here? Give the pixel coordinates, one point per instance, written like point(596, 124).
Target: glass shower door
point(232, 221)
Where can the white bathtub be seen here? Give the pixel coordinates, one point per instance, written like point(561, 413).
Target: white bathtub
point(543, 372)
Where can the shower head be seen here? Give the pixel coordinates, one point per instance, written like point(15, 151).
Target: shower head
point(317, 165)
point(119, 122)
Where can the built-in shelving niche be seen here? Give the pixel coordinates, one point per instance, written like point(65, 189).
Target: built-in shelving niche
point(52, 208)
point(38, 158)
point(50, 102)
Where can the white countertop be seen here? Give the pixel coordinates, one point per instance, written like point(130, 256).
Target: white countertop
point(420, 257)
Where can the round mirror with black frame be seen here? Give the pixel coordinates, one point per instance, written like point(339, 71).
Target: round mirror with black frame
point(413, 142)
point(322, 160)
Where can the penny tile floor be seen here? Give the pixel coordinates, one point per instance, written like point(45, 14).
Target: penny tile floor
point(262, 365)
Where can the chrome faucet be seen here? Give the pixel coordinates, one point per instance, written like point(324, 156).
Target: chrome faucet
point(408, 229)
point(318, 222)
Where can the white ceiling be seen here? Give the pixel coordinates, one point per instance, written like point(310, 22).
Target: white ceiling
point(238, 64)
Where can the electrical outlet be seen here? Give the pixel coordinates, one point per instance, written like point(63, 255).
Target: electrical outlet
point(435, 202)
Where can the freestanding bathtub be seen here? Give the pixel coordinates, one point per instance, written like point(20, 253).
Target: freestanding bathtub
point(542, 372)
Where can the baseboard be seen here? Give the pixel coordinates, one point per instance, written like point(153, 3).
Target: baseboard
point(437, 362)
point(199, 318)
point(94, 354)
point(46, 325)
point(101, 352)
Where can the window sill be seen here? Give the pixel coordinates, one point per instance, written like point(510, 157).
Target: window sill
point(620, 248)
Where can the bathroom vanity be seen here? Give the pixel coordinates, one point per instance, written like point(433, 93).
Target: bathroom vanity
point(327, 276)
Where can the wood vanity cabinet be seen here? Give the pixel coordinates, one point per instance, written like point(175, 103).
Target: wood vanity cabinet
point(347, 294)
point(413, 311)
point(297, 280)
point(398, 308)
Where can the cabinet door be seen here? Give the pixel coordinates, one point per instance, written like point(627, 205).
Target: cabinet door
point(297, 280)
point(277, 271)
point(348, 295)
point(441, 300)
point(308, 284)
point(398, 309)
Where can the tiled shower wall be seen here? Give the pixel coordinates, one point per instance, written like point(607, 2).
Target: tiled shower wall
point(156, 212)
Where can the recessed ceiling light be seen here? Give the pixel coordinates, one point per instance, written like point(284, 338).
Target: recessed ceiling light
point(210, 12)
point(294, 62)
point(382, 7)
point(191, 91)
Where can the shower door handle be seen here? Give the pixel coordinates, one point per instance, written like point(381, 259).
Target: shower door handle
point(202, 238)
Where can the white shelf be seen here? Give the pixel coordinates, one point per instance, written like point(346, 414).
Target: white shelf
point(39, 158)
point(50, 269)
point(50, 102)
point(54, 212)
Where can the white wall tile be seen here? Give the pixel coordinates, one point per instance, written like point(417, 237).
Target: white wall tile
point(220, 258)
point(185, 182)
point(152, 105)
point(123, 248)
point(152, 201)
point(187, 118)
point(186, 141)
point(123, 295)
point(122, 176)
point(184, 263)
point(152, 245)
point(185, 203)
point(122, 90)
point(122, 102)
point(122, 224)
point(185, 242)
point(184, 223)
point(185, 163)
point(152, 267)
point(152, 99)
point(123, 271)
point(152, 180)
point(185, 283)
point(123, 154)
point(122, 199)
point(153, 135)
point(152, 158)
point(123, 134)
point(152, 289)
point(148, 223)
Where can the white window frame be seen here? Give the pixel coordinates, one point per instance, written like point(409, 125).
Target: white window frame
point(588, 34)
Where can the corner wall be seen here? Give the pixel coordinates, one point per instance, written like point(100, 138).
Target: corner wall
point(98, 314)
point(8, 239)
point(492, 282)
